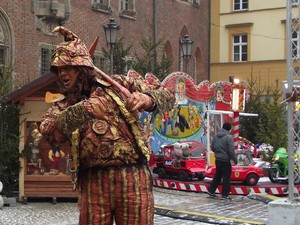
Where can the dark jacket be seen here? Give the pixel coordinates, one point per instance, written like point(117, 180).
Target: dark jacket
point(223, 146)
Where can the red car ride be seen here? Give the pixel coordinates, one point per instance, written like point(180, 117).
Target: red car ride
point(183, 160)
point(246, 171)
point(197, 149)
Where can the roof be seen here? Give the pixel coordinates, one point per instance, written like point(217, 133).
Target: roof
point(35, 88)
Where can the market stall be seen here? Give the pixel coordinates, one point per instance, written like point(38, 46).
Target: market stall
point(45, 169)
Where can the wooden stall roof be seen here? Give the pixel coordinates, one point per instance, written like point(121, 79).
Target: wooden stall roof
point(36, 88)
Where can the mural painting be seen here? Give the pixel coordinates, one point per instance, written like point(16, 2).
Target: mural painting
point(188, 118)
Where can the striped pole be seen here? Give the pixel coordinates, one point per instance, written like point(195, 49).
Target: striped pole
point(235, 132)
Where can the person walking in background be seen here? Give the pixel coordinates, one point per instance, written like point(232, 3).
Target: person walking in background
point(223, 147)
point(113, 176)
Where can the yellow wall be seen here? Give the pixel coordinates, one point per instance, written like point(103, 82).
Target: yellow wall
point(266, 35)
point(215, 31)
point(264, 22)
point(264, 72)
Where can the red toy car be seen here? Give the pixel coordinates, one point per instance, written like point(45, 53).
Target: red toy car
point(246, 171)
point(197, 149)
point(177, 161)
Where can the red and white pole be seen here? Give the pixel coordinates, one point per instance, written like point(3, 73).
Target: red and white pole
point(236, 129)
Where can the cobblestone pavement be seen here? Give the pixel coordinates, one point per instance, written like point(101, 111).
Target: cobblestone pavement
point(171, 207)
point(241, 210)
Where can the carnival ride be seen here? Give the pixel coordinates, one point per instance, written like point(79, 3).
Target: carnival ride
point(250, 178)
point(278, 170)
point(173, 163)
point(177, 161)
point(199, 112)
point(246, 171)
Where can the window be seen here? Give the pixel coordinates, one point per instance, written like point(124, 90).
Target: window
point(194, 2)
point(240, 48)
point(126, 5)
point(3, 49)
point(239, 5)
point(3, 59)
point(295, 44)
point(6, 59)
point(38, 162)
point(104, 2)
point(2, 55)
point(46, 52)
point(101, 5)
point(127, 8)
point(295, 2)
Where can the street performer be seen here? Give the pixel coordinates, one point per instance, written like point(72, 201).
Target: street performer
point(113, 177)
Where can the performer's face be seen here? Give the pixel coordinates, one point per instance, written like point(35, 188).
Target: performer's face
point(68, 76)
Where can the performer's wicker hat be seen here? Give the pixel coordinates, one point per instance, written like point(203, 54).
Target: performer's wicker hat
point(72, 52)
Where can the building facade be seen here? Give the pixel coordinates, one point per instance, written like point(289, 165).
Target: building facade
point(27, 43)
point(248, 39)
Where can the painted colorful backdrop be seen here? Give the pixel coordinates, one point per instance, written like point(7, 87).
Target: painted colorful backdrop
point(188, 118)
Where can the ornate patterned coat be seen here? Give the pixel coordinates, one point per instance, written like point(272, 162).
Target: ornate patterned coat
point(109, 135)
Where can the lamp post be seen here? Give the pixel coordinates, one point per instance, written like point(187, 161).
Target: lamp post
point(237, 106)
point(236, 115)
point(111, 30)
point(186, 49)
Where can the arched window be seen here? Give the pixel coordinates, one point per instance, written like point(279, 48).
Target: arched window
point(168, 51)
point(6, 50)
point(198, 67)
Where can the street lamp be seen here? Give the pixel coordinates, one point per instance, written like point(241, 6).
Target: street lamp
point(186, 49)
point(237, 105)
point(111, 30)
point(238, 94)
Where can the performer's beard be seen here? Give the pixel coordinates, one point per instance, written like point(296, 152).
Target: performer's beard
point(74, 94)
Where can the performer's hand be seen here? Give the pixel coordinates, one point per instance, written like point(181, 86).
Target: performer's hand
point(139, 101)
